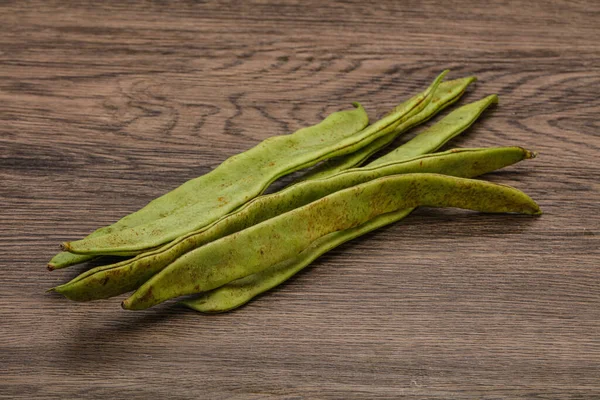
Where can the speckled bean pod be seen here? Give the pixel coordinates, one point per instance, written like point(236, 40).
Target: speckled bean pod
point(240, 291)
point(446, 94)
point(237, 179)
point(440, 133)
point(253, 249)
point(203, 200)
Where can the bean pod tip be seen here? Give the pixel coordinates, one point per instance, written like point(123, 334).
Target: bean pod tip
point(531, 154)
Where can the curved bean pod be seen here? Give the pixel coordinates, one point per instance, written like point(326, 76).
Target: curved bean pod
point(239, 179)
point(249, 251)
point(445, 95)
point(440, 133)
point(338, 125)
point(240, 291)
point(111, 280)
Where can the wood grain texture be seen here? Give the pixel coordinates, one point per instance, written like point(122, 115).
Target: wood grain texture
point(106, 105)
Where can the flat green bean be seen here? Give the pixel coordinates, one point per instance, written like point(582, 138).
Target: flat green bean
point(338, 125)
point(240, 291)
point(253, 249)
point(445, 95)
point(111, 280)
point(241, 178)
point(440, 133)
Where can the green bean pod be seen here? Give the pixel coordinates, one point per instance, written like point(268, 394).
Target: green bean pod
point(440, 133)
point(240, 291)
point(203, 200)
point(236, 180)
point(253, 249)
point(445, 95)
point(111, 280)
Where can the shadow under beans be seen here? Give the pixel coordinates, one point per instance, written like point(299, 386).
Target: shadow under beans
point(102, 339)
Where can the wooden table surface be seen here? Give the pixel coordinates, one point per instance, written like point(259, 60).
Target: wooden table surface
point(106, 105)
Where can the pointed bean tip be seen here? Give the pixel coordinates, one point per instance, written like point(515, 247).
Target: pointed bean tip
point(493, 98)
point(535, 209)
point(466, 81)
point(51, 290)
point(358, 106)
point(65, 246)
point(58, 289)
point(528, 155)
point(442, 75)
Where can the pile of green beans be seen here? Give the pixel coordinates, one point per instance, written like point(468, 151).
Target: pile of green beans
point(218, 237)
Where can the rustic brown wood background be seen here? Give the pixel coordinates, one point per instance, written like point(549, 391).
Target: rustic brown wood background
point(106, 105)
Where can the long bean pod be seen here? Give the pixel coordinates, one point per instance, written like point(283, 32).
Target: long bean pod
point(240, 291)
point(440, 133)
point(243, 174)
point(253, 249)
point(445, 95)
point(203, 200)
